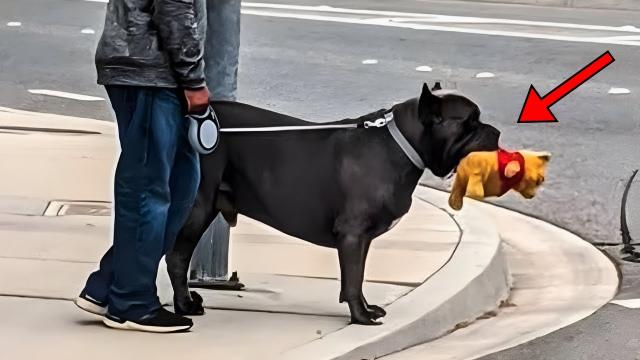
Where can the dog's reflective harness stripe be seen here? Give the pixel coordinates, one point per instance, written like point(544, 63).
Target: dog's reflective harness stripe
point(387, 121)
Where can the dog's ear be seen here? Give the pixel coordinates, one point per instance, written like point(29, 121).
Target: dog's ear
point(428, 104)
point(436, 86)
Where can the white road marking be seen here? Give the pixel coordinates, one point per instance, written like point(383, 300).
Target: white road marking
point(424, 68)
point(370, 61)
point(14, 23)
point(618, 91)
point(437, 17)
point(416, 21)
point(88, 31)
point(629, 303)
point(66, 95)
point(485, 75)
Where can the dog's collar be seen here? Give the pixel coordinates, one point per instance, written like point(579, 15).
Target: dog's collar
point(404, 144)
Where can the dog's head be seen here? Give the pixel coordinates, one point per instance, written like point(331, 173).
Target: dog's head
point(535, 168)
point(451, 129)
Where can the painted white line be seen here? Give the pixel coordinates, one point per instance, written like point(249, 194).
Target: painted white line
point(98, 1)
point(88, 31)
point(416, 26)
point(618, 91)
point(438, 17)
point(370, 61)
point(485, 75)
point(629, 303)
point(66, 95)
point(14, 23)
point(424, 68)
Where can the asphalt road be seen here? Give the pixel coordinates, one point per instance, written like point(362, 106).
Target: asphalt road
point(313, 68)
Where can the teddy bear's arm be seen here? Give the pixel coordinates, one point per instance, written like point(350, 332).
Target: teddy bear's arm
point(458, 190)
point(475, 186)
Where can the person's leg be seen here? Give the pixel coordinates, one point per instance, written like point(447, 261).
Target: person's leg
point(142, 200)
point(185, 177)
point(210, 259)
point(222, 48)
point(122, 101)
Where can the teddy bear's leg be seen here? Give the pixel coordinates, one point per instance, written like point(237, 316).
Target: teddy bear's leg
point(457, 191)
point(475, 188)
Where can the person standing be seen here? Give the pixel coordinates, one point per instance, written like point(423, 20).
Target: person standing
point(209, 266)
point(150, 60)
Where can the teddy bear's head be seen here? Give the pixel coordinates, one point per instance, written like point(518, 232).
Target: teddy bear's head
point(535, 168)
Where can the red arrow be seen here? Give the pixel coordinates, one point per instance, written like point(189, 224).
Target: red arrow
point(536, 108)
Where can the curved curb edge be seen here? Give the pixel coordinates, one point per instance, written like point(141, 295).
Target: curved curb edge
point(474, 281)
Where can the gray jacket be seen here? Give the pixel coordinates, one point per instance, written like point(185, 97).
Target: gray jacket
point(157, 43)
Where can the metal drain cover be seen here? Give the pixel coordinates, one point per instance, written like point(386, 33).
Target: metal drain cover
point(73, 207)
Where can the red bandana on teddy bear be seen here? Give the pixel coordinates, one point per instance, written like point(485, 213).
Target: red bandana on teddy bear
point(504, 158)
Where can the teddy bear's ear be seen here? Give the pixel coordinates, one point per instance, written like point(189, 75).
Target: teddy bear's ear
point(544, 156)
point(512, 168)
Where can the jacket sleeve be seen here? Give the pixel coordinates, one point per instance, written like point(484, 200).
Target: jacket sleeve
point(182, 37)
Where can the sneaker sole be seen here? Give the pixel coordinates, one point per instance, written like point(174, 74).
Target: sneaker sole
point(130, 325)
point(90, 307)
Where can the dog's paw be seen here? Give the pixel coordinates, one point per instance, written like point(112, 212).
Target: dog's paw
point(376, 311)
point(360, 315)
point(364, 320)
point(192, 306)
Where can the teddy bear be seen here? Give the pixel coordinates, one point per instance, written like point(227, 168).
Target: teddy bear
point(493, 173)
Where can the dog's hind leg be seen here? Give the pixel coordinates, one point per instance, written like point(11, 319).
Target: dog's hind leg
point(178, 260)
point(375, 310)
point(350, 255)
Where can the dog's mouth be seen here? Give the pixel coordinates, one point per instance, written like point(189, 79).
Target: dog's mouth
point(485, 138)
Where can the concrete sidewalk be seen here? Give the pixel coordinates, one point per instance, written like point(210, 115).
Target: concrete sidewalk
point(55, 225)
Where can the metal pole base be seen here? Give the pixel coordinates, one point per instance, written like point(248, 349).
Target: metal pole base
point(233, 284)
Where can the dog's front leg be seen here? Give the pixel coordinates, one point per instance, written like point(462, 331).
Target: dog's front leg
point(374, 310)
point(350, 251)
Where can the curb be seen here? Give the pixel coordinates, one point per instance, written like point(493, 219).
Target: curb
point(473, 282)
point(576, 4)
point(559, 279)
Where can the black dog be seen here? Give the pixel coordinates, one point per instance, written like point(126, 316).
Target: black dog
point(339, 188)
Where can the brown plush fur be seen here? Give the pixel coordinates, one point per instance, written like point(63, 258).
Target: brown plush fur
point(477, 176)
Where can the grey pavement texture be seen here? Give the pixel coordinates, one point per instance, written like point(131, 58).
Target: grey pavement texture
point(317, 74)
point(596, 4)
point(609, 334)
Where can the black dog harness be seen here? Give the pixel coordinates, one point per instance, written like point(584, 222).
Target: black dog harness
point(203, 132)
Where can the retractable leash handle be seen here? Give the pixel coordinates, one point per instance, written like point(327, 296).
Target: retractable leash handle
point(204, 131)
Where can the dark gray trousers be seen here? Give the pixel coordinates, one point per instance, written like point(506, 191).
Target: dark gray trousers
point(210, 259)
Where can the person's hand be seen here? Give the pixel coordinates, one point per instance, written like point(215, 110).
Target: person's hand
point(197, 99)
